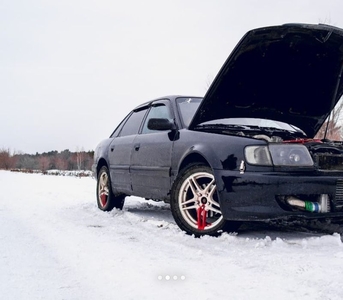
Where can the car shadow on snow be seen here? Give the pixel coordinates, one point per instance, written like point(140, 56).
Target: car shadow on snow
point(286, 230)
point(159, 211)
point(148, 209)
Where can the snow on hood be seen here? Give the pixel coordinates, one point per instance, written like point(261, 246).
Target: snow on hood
point(289, 73)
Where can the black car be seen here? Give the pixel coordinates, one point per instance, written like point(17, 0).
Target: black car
point(244, 152)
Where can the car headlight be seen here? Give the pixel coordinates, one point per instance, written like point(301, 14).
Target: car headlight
point(279, 155)
point(258, 155)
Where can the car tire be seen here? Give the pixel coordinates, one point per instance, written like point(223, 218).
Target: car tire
point(194, 203)
point(105, 198)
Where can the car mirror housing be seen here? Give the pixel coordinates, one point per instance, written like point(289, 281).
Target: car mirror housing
point(160, 124)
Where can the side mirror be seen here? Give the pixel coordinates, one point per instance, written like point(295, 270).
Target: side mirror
point(160, 124)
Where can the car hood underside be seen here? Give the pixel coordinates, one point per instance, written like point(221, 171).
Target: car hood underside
point(289, 73)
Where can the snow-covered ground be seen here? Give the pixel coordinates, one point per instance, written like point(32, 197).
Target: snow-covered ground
point(56, 244)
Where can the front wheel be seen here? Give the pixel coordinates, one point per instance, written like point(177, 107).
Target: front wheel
point(194, 203)
point(105, 198)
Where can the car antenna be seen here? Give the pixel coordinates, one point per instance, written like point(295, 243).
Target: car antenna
point(334, 99)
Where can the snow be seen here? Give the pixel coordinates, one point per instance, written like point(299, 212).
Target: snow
point(56, 244)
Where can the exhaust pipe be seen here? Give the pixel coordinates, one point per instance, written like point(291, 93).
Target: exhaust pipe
point(323, 206)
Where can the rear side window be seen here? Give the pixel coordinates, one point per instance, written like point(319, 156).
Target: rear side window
point(133, 123)
point(119, 127)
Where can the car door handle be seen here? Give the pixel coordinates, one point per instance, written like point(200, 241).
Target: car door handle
point(137, 146)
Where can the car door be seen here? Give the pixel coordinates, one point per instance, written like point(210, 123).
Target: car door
point(120, 152)
point(151, 155)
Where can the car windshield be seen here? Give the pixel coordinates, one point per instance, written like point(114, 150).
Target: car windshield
point(187, 107)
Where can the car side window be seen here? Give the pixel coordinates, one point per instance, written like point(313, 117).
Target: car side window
point(156, 111)
point(133, 123)
point(116, 131)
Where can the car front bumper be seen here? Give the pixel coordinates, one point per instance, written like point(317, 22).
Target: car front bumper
point(255, 195)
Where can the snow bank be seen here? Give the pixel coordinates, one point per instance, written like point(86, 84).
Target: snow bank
point(76, 173)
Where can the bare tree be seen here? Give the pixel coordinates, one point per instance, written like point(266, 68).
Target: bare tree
point(79, 158)
point(7, 159)
point(332, 128)
point(44, 163)
point(61, 164)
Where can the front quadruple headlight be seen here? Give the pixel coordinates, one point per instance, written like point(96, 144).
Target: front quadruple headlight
point(279, 155)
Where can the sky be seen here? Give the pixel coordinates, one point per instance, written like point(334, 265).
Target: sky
point(71, 70)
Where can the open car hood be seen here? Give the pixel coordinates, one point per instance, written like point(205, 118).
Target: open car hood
point(289, 73)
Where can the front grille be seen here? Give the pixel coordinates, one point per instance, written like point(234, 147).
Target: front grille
point(329, 161)
point(339, 194)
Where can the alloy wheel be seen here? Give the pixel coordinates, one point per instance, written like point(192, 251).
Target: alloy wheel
point(198, 202)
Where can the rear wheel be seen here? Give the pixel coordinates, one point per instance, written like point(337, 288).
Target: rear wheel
point(194, 203)
point(105, 198)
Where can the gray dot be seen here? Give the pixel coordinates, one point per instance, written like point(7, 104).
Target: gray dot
point(160, 277)
point(175, 277)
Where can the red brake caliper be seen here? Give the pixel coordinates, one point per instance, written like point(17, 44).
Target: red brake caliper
point(103, 199)
point(201, 217)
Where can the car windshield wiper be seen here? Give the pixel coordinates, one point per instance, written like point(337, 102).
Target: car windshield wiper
point(253, 129)
point(221, 126)
point(274, 130)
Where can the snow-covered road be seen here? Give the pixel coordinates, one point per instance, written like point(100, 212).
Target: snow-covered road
point(56, 244)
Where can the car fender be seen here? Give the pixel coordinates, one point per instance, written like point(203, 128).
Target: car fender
point(101, 155)
point(218, 151)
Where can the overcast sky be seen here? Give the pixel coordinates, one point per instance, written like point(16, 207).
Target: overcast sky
point(71, 70)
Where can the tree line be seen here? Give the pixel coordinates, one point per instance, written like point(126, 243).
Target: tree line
point(83, 160)
point(64, 160)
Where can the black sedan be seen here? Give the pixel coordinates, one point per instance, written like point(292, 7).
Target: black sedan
point(244, 152)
